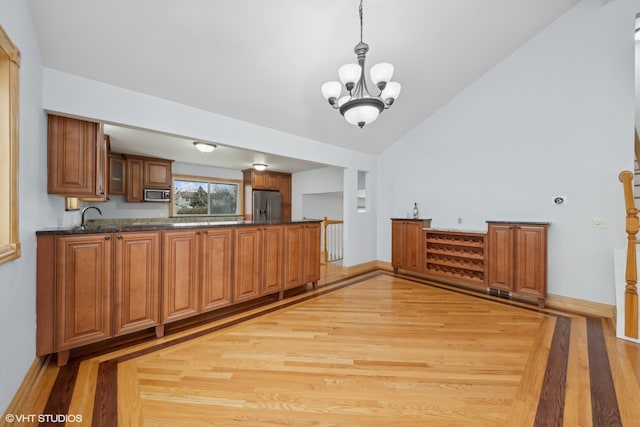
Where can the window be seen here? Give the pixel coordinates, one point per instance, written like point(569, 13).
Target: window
point(203, 196)
point(9, 69)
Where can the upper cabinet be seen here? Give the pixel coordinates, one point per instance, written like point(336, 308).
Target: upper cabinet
point(267, 180)
point(145, 172)
point(77, 160)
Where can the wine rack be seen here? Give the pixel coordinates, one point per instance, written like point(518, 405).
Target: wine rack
point(456, 255)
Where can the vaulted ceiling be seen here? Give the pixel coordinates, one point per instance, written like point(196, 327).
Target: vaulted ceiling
point(264, 61)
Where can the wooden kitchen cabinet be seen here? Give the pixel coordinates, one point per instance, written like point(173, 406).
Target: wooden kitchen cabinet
point(407, 245)
point(146, 172)
point(267, 180)
point(517, 258)
point(284, 186)
point(197, 272)
point(258, 261)
point(83, 290)
point(136, 281)
point(117, 176)
point(77, 158)
point(216, 262)
point(302, 254)
point(180, 274)
point(91, 287)
point(157, 173)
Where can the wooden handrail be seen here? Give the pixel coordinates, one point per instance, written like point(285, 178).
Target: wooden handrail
point(631, 276)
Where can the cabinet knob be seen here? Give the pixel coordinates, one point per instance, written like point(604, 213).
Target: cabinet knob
point(107, 237)
point(119, 236)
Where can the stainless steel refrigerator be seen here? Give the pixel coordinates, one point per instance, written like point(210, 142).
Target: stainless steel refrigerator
point(267, 206)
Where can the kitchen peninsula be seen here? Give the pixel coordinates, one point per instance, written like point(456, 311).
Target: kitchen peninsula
point(105, 281)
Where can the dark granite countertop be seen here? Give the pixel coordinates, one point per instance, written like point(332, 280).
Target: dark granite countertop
point(518, 222)
point(115, 228)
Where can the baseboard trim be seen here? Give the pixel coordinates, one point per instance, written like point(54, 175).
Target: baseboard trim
point(20, 404)
point(556, 302)
point(576, 305)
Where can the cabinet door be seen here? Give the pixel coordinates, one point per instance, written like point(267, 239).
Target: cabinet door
point(216, 268)
point(272, 262)
point(136, 281)
point(180, 278)
point(83, 283)
point(73, 150)
point(271, 181)
point(413, 251)
point(157, 174)
point(312, 252)
point(500, 261)
point(284, 186)
point(117, 176)
point(397, 244)
point(259, 180)
point(294, 256)
point(248, 248)
point(135, 171)
point(531, 255)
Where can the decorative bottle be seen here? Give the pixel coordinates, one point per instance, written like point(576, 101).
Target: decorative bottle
point(415, 211)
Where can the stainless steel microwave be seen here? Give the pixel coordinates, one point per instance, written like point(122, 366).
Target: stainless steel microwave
point(156, 195)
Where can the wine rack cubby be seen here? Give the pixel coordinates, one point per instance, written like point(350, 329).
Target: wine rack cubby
point(456, 255)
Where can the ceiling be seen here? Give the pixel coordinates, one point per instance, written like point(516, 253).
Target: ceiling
point(264, 61)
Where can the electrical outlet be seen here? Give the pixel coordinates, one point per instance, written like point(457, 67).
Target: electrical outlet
point(599, 222)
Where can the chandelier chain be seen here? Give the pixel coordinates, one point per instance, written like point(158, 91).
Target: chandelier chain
point(360, 10)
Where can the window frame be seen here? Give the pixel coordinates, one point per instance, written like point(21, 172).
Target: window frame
point(208, 180)
point(9, 125)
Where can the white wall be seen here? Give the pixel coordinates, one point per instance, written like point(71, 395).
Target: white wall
point(37, 209)
point(555, 118)
point(359, 227)
point(318, 193)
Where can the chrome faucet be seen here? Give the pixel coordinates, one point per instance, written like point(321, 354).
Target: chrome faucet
point(82, 222)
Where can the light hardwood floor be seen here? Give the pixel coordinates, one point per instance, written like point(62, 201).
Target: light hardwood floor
point(371, 350)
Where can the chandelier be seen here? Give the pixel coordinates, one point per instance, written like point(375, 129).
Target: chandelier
point(359, 107)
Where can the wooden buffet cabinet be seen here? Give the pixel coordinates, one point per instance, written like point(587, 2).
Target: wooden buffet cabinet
point(407, 249)
point(93, 286)
point(510, 258)
point(517, 260)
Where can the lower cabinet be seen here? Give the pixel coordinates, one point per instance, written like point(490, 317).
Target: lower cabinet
point(407, 246)
point(136, 281)
point(83, 290)
point(302, 254)
point(95, 286)
point(517, 258)
point(92, 287)
point(196, 272)
point(258, 261)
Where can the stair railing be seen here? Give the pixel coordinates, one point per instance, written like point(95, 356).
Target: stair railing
point(332, 239)
point(631, 276)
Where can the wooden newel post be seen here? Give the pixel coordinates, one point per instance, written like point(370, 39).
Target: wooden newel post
point(631, 277)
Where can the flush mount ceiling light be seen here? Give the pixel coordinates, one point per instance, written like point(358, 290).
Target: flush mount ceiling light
point(204, 147)
point(259, 166)
point(359, 107)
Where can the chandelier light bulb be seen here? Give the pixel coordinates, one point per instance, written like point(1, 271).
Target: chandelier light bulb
point(391, 92)
point(349, 75)
point(381, 74)
point(331, 90)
